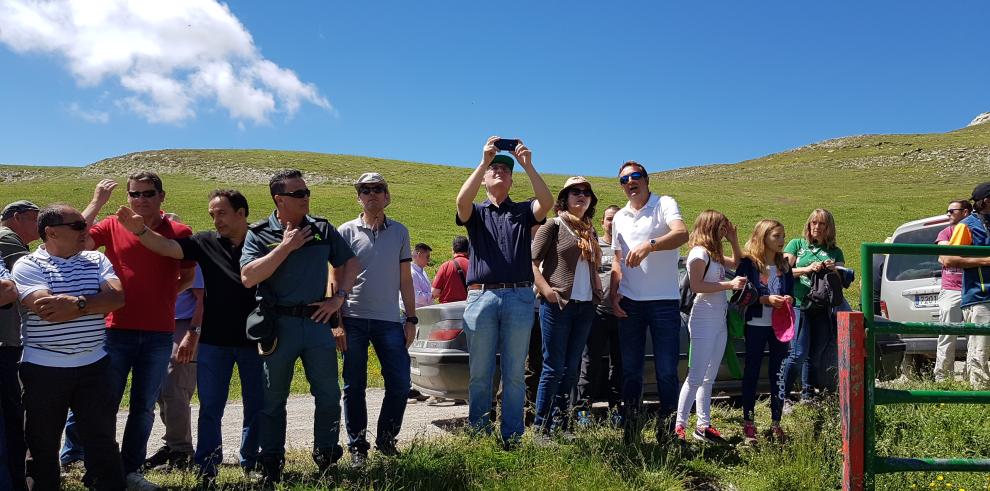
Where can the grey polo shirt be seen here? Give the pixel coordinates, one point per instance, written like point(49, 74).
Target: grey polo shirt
point(380, 252)
point(302, 278)
point(11, 249)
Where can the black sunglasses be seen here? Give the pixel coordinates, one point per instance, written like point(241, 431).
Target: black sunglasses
point(950, 210)
point(372, 189)
point(580, 192)
point(635, 176)
point(78, 226)
point(298, 194)
point(151, 193)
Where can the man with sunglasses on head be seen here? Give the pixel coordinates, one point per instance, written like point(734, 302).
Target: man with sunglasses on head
point(646, 235)
point(498, 317)
point(65, 291)
point(139, 337)
point(371, 316)
point(286, 256)
point(950, 297)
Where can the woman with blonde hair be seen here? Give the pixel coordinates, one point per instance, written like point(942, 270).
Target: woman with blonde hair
point(765, 267)
point(569, 288)
point(813, 348)
point(706, 265)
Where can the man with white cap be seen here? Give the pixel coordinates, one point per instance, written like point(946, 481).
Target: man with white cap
point(371, 315)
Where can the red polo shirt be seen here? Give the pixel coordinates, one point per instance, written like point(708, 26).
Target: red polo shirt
point(448, 280)
point(149, 280)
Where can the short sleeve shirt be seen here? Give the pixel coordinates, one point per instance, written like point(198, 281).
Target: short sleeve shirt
point(381, 253)
point(11, 249)
point(228, 302)
point(806, 254)
point(148, 279)
point(716, 301)
point(185, 303)
point(501, 237)
point(656, 277)
point(976, 281)
point(448, 280)
point(951, 277)
point(73, 343)
point(302, 278)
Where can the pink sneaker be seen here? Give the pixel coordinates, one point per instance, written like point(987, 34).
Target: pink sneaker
point(777, 434)
point(709, 434)
point(681, 434)
point(749, 433)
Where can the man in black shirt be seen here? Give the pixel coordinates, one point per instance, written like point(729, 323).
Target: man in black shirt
point(223, 341)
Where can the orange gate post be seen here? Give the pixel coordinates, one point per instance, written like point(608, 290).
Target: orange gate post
point(852, 356)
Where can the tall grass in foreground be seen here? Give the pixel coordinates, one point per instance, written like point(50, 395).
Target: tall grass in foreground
point(597, 458)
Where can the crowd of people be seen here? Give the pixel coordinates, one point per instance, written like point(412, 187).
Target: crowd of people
point(175, 312)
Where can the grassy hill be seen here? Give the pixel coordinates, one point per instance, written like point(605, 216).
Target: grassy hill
point(872, 183)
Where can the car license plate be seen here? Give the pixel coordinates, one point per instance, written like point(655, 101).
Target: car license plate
point(926, 301)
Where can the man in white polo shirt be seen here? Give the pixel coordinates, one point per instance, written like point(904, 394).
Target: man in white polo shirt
point(647, 233)
point(66, 291)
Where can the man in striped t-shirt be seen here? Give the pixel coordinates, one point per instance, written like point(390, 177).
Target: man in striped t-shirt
point(66, 292)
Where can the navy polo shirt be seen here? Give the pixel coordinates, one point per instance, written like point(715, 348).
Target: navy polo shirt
point(500, 242)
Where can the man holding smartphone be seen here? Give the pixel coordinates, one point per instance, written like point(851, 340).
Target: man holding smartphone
point(498, 317)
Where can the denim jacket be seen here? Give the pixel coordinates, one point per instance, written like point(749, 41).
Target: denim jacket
point(748, 269)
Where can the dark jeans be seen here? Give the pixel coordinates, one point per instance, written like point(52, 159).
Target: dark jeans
point(662, 319)
point(565, 334)
point(48, 393)
point(389, 341)
point(813, 352)
point(144, 355)
point(216, 366)
point(13, 414)
point(757, 339)
point(600, 378)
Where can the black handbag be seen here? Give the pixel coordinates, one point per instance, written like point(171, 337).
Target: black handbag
point(261, 327)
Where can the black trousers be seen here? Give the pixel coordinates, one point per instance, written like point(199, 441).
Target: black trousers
point(13, 413)
point(49, 393)
point(601, 378)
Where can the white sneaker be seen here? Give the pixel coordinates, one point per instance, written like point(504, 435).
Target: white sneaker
point(137, 482)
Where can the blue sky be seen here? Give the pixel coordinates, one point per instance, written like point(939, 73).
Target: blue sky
point(587, 85)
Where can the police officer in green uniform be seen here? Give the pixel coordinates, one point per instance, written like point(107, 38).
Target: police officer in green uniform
point(286, 256)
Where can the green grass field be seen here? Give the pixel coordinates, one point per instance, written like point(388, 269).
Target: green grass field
point(871, 183)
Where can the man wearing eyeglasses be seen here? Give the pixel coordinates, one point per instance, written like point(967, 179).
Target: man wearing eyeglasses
point(65, 291)
point(646, 235)
point(139, 336)
point(286, 256)
point(975, 230)
point(950, 297)
point(371, 315)
point(498, 317)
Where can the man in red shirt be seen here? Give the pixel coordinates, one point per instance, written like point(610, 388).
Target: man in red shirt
point(449, 284)
point(139, 336)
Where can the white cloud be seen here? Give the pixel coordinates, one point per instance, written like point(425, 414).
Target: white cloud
point(168, 55)
point(93, 116)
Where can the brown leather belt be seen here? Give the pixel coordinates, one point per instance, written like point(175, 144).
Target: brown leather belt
point(499, 286)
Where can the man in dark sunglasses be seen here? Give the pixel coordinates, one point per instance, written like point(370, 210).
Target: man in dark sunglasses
point(287, 257)
point(499, 313)
point(370, 316)
point(950, 296)
point(646, 235)
point(140, 334)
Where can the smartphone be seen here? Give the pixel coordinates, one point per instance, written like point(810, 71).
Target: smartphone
point(505, 145)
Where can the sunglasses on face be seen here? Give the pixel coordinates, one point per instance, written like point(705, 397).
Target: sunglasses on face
point(580, 192)
point(78, 226)
point(951, 210)
point(298, 194)
point(372, 189)
point(634, 176)
point(151, 193)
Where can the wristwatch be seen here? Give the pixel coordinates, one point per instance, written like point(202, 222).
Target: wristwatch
point(653, 243)
point(414, 320)
point(342, 294)
point(81, 303)
point(197, 330)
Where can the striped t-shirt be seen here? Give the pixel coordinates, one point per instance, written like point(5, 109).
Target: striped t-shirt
point(73, 343)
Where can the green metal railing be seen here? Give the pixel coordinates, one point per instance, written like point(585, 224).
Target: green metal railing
point(875, 464)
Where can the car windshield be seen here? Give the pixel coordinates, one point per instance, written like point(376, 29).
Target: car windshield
point(902, 267)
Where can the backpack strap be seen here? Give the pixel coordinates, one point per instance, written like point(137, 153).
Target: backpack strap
point(460, 272)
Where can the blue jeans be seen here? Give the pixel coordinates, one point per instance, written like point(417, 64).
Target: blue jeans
point(389, 341)
point(313, 342)
point(5, 480)
point(498, 322)
point(145, 356)
point(565, 334)
point(810, 348)
point(758, 338)
point(662, 318)
point(216, 365)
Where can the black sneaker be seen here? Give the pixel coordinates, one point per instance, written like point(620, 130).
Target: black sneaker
point(325, 459)
point(271, 469)
point(159, 458)
point(387, 449)
point(358, 460)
